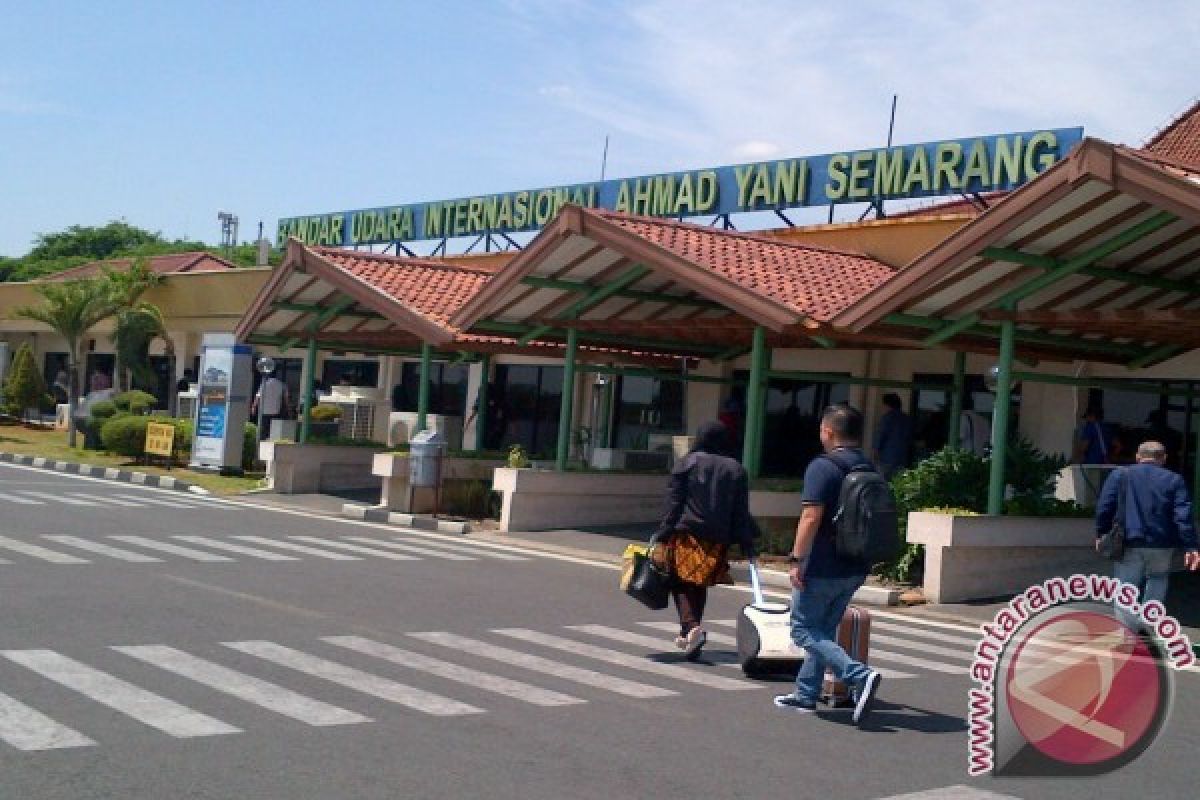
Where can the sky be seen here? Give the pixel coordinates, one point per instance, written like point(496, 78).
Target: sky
point(164, 113)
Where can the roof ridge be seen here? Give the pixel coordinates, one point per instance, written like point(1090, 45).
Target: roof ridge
point(757, 237)
point(1158, 158)
point(424, 261)
point(1191, 109)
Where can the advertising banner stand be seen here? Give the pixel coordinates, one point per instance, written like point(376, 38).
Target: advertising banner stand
point(222, 405)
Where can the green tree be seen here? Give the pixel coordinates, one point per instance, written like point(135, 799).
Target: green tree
point(91, 243)
point(138, 323)
point(24, 388)
point(71, 309)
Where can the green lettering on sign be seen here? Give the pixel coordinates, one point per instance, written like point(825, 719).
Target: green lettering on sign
point(835, 189)
point(976, 167)
point(1036, 164)
point(946, 158)
point(859, 172)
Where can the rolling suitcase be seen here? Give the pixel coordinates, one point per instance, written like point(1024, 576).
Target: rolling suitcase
point(854, 635)
point(764, 636)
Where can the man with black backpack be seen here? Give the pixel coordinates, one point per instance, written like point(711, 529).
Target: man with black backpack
point(844, 528)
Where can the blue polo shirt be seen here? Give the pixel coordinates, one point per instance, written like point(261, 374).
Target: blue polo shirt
point(823, 486)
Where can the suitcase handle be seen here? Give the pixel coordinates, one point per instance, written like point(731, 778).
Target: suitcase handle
point(755, 584)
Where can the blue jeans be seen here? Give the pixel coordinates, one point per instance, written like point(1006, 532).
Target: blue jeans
point(816, 612)
point(1147, 568)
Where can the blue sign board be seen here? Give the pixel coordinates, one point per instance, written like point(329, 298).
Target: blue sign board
point(956, 166)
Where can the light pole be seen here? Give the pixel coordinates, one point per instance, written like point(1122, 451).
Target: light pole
point(265, 365)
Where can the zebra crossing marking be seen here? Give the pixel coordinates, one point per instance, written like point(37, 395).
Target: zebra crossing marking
point(477, 550)
point(103, 549)
point(21, 501)
point(58, 498)
point(167, 547)
point(384, 688)
point(244, 687)
point(454, 672)
point(934, 635)
point(557, 669)
point(158, 501)
point(105, 499)
point(43, 553)
point(626, 660)
point(27, 729)
point(924, 647)
point(413, 548)
point(144, 706)
point(217, 544)
point(355, 548)
point(299, 548)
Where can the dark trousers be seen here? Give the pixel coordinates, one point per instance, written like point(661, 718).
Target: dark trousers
point(689, 602)
point(265, 429)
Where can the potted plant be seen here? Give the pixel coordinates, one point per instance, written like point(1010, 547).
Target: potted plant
point(324, 421)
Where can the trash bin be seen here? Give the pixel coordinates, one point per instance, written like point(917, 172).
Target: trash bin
point(425, 453)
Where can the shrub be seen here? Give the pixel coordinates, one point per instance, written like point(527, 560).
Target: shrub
point(135, 402)
point(249, 446)
point(102, 410)
point(517, 458)
point(471, 499)
point(24, 388)
point(125, 435)
point(325, 412)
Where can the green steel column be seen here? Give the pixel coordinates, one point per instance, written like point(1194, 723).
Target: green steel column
point(481, 401)
point(310, 369)
point(568, 402)
point(423, 390)
point(954, 434)
point(1000, 418)
point(755, 397)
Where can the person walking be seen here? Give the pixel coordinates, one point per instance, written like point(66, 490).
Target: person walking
point(822, 583)
point(893, 440)
point(708, 509)
point(1093, 439)
point(273, 398)
point(1158, 521)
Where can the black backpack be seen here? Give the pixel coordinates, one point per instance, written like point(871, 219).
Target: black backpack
point(865, 524)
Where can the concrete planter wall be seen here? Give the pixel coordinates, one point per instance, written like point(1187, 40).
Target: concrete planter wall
point(972, 558)
point(308, 468)
point(785, 505)
point(393, 469)
point(543, 500)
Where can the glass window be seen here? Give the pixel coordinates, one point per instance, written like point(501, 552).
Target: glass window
point(528, 399)
point(1134, 417)
point(644, 406)
point(791, 427)
point(447, 389)
point(344, 372)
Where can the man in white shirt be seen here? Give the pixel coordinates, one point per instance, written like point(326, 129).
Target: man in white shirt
point(273, 397)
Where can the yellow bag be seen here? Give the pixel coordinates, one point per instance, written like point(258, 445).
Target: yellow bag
point(627, 562)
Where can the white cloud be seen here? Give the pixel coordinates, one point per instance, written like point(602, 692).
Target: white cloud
point(756, 150)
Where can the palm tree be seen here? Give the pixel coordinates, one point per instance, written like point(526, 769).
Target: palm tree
point(138, 323)
point(71, 309)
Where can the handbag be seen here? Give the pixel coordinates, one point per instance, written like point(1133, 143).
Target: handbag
point(1112, 544)
point(648, 584)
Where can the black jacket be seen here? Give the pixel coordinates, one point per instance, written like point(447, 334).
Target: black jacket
point(709, 495)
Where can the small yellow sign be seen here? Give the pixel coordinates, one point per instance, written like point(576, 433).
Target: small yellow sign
point(160, 438)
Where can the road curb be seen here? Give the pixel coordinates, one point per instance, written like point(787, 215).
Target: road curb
point(103, 473)
point(402, 520)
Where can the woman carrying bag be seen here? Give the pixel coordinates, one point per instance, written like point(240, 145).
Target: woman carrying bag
point(708, 509)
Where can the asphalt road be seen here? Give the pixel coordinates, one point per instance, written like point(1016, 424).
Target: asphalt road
point(139, 661)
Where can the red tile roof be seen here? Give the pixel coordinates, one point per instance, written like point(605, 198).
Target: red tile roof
point(170, 264)
point(1179, 142)
point(816, 282)
point(429, 287)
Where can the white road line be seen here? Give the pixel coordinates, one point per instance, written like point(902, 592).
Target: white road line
point(43, 553)
point(470, 549)
point(417, 699)
point(924, 647)
point(244, 687)
point(145, 498)
point(174, 549)
point(912, 661)
point(626, 660)
point(58, 498)
point(555, 669)
point(921, 633)
point(673, 627)
point(23, 501)
point(146, 707)
point(103, 549)
point(960, 792)
point(116, 501)
point(454, 672)
point(355, 548)
point(413, 548)
point(217, 544)
point(27, 729)
point(298, 548)
point(930, 623)
point(658, 644)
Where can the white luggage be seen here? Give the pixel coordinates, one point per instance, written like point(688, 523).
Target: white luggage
point(764, 636)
